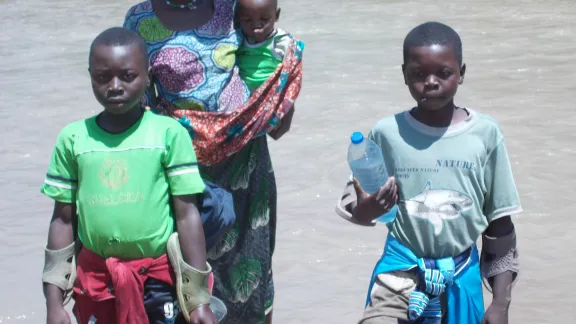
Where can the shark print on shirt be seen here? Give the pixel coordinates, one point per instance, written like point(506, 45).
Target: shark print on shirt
point(437, 205)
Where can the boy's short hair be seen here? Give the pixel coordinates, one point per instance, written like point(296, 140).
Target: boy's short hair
point(433, 33)
point(120, 36)
point(276, 2)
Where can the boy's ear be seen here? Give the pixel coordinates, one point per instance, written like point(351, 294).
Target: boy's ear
point(404, 74)
point(278, 14)
point(462, 73)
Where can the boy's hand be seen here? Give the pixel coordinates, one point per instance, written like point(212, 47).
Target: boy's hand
point(57, 315)
point(496, 314)
point(202, 315)
point(373, 206)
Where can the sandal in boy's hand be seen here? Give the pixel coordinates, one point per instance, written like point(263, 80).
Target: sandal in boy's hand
point(202, 315)
point(373, 206)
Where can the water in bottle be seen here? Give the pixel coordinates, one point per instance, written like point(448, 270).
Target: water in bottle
point(367, 164)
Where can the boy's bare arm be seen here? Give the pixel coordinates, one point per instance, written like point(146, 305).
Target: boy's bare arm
point(60, 235)
point(501, 283)
point(193, 246)
point(190, 231)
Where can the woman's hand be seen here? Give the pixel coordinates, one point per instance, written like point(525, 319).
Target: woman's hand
point(202, 315)
point(370, 207)
point(283, 126)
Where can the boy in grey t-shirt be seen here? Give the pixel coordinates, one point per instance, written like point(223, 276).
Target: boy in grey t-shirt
point(452, 183)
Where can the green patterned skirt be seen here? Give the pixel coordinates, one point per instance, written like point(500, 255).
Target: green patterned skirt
point(241, 261)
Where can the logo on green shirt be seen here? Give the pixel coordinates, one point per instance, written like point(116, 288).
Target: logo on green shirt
point(114, 173)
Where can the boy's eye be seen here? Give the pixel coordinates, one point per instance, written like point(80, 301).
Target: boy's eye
point(446, 74)
point(130, 76)
point(101, 77)
point(417, 74)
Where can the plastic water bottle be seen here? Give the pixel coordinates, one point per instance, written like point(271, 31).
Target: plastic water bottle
point(367, 164)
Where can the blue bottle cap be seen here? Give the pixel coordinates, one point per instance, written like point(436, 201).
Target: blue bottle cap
point(357, 138)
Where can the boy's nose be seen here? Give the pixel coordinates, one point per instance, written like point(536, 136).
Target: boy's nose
point(431, 83)
point(115, 85)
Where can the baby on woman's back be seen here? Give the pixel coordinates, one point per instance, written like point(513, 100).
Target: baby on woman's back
point(264, 45)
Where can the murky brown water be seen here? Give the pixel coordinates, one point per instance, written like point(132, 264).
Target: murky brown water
point(521, 63)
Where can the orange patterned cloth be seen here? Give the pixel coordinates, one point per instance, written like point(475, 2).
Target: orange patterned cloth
point(217, 135)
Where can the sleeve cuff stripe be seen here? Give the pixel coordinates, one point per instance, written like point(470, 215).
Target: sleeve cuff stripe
point(58, 178)
point(181, 165)
point(506, 211)
point(181, 172)
point(59, 185)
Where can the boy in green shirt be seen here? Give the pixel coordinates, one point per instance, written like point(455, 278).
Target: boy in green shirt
point(132, 179)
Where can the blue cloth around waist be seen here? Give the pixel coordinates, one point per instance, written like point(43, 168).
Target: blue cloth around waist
point(464, 298)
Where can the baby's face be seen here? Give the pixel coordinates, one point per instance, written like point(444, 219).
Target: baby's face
point(257, 18)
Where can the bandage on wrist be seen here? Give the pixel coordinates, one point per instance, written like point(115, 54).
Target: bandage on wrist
point(60, 269)
point(498, 256)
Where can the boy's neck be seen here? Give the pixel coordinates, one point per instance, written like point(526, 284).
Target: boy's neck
point(444, 117)
point(117, 124)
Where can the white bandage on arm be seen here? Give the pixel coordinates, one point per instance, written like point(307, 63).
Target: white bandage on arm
point(60, 269)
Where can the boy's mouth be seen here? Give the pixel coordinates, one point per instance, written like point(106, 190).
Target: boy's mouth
point(116, 101)
point(258, 32)
point(424, 99)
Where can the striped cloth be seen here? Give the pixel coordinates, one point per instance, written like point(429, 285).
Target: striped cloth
point(434, 276)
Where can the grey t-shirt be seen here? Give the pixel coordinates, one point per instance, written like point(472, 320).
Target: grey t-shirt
point(452, 181)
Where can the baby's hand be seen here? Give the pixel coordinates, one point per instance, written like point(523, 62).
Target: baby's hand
point(373, 206)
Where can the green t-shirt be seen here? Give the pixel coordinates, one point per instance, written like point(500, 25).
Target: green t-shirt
point(452, 181)
point(257, 62)
point(122, 183)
